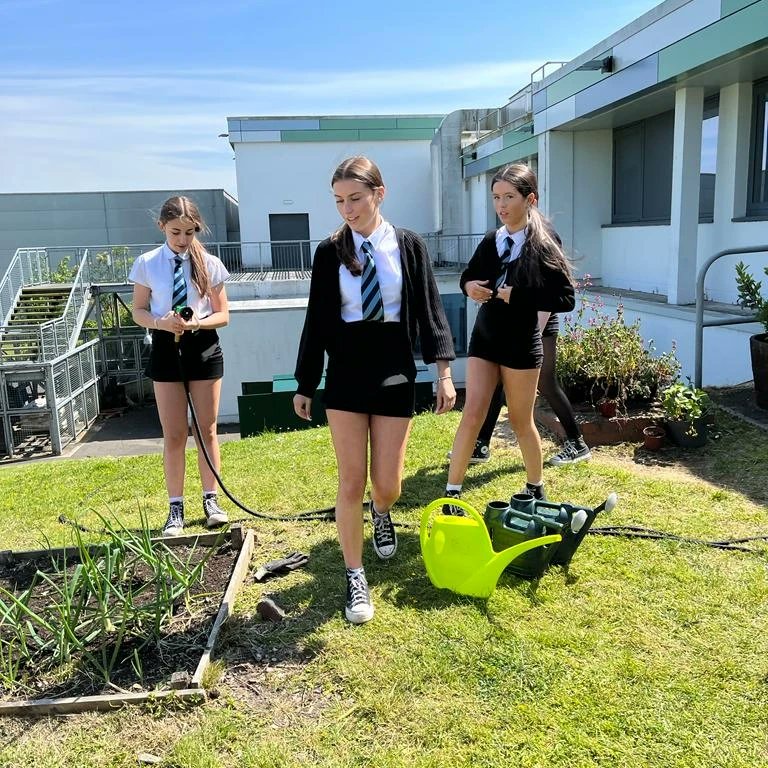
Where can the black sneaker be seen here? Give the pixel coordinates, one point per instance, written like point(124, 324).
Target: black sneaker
point(174, 525)
point(451, 509)
point(572, 452)
point(537, 491)
point(480, 455)
point(384, 534)
point(214, 514)
point(359, 607)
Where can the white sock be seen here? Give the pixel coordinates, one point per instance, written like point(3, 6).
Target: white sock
point(174, 499)
point(453, 487)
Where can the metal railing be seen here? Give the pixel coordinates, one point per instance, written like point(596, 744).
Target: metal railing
point(701, 324)
point(29, 266)
point(46, 405)
point(61, 334)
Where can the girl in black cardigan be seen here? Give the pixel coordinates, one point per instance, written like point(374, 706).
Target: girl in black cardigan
point(518, 274)
point(372, 291)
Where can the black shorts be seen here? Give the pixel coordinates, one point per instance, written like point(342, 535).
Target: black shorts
point(196, 357)
point(372, 371)
point(500, 337)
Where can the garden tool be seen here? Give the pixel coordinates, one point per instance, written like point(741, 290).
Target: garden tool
point(458, 554)
point(281, 567)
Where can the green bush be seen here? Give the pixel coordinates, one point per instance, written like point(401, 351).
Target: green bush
point(750, 295)
point(608, 359)
point(684, 402)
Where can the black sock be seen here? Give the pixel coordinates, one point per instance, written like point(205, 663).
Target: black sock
point(537, 491)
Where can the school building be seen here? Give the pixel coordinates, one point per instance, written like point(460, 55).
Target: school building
point(651, 153)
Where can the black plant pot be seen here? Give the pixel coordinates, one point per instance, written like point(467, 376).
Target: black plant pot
point(687, 434)
point(758, 347)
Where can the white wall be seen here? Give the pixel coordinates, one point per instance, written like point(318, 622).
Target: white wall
point(636, 258)
point(592, 180)
point(295, 177)
point(479, 201)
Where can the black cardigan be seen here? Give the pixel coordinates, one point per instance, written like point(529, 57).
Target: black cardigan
point(555, 294)
point(421, 309)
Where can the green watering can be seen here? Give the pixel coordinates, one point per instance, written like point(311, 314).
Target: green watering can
point(457, 550)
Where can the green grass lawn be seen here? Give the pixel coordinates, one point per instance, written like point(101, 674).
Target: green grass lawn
point(643, 654)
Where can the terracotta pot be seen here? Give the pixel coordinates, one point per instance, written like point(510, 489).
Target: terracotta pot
point(607, 408)
point(653, 437)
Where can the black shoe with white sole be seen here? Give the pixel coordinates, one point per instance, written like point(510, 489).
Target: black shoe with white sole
point(384, 534)
point(359, 607)
point(174, 524)
point(214, 514)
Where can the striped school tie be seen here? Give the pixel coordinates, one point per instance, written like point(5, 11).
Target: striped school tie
point(370, 290)
point(179, 285)
point(506, 257)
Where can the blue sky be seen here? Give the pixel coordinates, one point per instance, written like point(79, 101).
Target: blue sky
point(133, 94)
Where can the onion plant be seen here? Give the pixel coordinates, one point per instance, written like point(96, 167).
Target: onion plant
point(99, 613)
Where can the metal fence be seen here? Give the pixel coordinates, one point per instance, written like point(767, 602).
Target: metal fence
point(44, 406)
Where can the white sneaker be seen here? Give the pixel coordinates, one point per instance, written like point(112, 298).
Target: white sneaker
point(214, 514)
point(174, 525)
point(359, 607)
point(572, 452)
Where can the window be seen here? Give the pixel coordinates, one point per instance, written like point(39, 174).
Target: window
point(709, 128)
point(642, 170)
point(455, 306)
point(757, 199)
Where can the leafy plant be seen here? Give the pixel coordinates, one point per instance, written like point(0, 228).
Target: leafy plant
point(684, 402)
point(605, 358)
point(98, 613)
point(750, 295)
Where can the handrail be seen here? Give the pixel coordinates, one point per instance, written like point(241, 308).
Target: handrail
point(700, 322)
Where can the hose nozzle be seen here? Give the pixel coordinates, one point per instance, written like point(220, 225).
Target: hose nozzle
point(186, 313)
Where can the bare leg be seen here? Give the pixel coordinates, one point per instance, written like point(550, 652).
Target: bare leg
point(205, 397)
point(482, 377)
point(349, 432)
point(389, 438)
point(172, 409)
point(520, 388)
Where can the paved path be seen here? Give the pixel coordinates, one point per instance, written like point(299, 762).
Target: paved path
point(131, 432)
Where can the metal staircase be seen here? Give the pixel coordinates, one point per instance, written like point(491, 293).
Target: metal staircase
point(48, 377)
point(21, 338)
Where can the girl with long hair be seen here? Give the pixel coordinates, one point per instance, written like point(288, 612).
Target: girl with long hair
point(519, 275)
point(182, 274)
point(372, 293)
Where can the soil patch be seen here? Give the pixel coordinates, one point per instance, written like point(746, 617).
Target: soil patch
point(178, 650)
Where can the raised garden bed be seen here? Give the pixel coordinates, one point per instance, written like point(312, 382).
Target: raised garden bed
point(174, 666)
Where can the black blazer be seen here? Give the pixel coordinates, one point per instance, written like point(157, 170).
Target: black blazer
point(421, 309)
point(555, 294)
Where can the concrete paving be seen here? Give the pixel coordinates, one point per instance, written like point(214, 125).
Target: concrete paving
point(132, 431)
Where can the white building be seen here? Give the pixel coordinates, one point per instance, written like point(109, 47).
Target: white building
point(651, 152)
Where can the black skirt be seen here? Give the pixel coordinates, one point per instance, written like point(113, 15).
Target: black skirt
point(196, 357)
point(371, 370)
point(506, 338)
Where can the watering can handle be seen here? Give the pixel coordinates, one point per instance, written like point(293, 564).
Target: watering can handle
point(438, 504)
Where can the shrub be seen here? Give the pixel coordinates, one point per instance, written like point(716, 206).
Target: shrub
point(684, 402)
point(606, 358)
point(749, 293)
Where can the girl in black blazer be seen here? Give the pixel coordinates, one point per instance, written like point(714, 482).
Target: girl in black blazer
point(518, 274)
point(372, 292)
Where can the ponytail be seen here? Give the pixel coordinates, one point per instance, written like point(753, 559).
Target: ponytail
point(345, 248)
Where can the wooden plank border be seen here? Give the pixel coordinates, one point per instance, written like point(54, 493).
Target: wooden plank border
point(194, 693)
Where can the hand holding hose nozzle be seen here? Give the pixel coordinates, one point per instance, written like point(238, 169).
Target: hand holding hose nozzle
point(186, 313)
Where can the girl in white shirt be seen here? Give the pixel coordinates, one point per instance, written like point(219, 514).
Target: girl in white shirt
point(178, 274)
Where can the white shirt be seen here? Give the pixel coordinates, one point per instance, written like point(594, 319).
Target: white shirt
point(389, 271)
point(154, 269)
point(518, 241)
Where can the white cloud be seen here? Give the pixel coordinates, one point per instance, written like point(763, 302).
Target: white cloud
point(74, 131)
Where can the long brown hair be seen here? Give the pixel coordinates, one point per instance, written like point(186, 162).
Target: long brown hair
point(544, 247)
point(183, 208)
point(358, 168)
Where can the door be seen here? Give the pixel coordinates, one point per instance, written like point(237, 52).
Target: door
point(289, 234)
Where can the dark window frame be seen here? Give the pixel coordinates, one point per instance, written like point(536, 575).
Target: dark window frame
point(755, 205)
point(640, 216)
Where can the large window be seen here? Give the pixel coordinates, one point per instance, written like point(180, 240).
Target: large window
point(642, 170)
point(757, 201)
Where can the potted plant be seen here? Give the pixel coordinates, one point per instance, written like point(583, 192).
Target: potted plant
point(751, 298)
point(686, 408)
point(653, 437)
